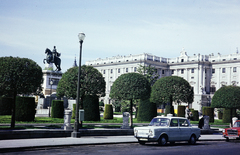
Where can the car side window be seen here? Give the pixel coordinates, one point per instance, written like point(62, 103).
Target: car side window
point(174, 123)
point(183, 123)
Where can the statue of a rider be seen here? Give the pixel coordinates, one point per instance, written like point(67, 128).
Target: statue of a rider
point(55, 54)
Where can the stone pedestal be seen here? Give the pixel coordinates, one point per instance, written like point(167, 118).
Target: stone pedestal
point(234, 119)
point(206, 123)
point(67, 120)
point(125, 121)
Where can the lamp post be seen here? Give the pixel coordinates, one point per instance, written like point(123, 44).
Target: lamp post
point(76, 133)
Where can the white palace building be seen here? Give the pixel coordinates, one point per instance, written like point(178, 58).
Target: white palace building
point(205, 73)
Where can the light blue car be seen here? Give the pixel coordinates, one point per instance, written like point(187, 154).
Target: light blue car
point(167, 129)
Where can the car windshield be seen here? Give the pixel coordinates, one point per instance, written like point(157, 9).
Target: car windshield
point(236, 124)
point(159, 122)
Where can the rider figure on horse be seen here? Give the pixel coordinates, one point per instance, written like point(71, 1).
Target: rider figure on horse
point(55, 54)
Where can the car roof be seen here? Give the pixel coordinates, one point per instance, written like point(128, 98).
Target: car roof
point(170, 117)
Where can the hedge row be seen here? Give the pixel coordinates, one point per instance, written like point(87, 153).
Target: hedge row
point(6, 105)
point(146, 110)
point(25, 109)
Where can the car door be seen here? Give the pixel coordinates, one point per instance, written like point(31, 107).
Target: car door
point(174, 131)
point(185, 129)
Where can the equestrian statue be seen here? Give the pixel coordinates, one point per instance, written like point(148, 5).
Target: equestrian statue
point(53, 57)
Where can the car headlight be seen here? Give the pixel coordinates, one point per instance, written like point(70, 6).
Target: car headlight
point(150, 132)
point(135, 132)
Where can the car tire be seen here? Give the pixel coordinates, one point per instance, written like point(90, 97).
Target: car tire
point(141, 142)
point(192, 140)
point(227, 139)
point(162, 141)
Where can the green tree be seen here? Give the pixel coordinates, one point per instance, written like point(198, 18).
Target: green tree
point(91, 83)
point(227, 97)
point(130, 86)
point(171, 89)
point(19, 76)
point(149, 72)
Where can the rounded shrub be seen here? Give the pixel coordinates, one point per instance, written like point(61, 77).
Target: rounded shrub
point(91, 108)
point(57, 110)
point(181, 111)
point(6, 105)
point(25, 109)
point(108, 112)
point(227, 115)
point(146, 110)
point(169, 109)
point(208, 111)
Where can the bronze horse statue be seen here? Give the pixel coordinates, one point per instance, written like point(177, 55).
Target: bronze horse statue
point(53, 57)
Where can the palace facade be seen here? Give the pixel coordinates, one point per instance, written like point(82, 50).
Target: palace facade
point(205, 73)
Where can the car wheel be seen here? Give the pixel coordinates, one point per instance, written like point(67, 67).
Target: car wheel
point(192, 140)
point(162, 140)
point(141, 142)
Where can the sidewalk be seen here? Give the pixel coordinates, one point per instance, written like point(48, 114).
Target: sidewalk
point(17, 144)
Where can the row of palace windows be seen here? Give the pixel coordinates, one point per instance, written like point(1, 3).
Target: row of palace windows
point(182, 70)
point(119, 70)
point(224, 70)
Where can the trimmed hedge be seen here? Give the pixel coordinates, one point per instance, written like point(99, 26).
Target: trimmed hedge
point(169, 109)
point(6, 105)
point(108, 112)
point(25, 109)
point(208, 111)
point(74, 111)
point(195, 115)
point(220, 115)
point(146, 110)
point(91, 108)
point(181, 111)
point(227, 115)
point(57, 110)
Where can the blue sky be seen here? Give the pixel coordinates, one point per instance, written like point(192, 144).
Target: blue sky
point(118, 27)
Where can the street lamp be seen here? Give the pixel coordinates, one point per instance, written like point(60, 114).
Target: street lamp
point(51, 83)
point(76, 133)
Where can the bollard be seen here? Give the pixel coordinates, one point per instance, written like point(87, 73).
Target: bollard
point(206, 123)
point(125, 121)
point(67, 120)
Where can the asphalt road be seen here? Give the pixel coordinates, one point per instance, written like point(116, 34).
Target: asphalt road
point(181, 148)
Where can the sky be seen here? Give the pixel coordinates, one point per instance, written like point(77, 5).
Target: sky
point(117, 27)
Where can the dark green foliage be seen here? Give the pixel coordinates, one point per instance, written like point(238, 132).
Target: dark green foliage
point(181, 111)
point(226, 97)
point(146, 110)
point(19, 76)
point(108, 112)
point(220, 115)
point(91, 81)
point(130, 86)
point(208, 111)
point(117, 105)
point(91, 108)
point(125, 109)
point(195, 115)
point(101, 103)
point(6, 105)
point(25, 109)
point(169, 109)
point(171, 89)
point(57, 110)
point(227, 118)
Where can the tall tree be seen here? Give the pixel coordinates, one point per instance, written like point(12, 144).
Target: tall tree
point(91, 83)
point(227, 97)
point(149, 72)
point(19, 76)
point(171, 89)
point(130, 86)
